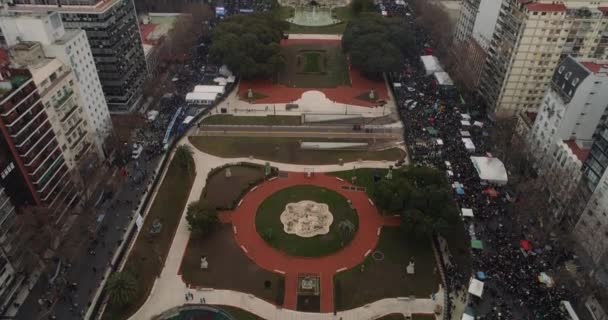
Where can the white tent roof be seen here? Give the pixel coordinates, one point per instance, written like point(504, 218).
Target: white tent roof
point(468, 144)
point(188, 119)
point(465, 133)
point(466, 212)
point(490, 169)
point(443, 79)
point(478, 123)
point(467, 317)
point(439, 142)
point(476, 287)
point(465, 123)
point(570, 310)
point(465, 116)
point(431, 64)
point(198, 96)
point(207, 88)
point(396, 84)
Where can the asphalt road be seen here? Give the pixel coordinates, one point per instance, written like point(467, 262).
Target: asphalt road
point(86, 271)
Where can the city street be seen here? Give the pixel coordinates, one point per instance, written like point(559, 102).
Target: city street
point(70, 302)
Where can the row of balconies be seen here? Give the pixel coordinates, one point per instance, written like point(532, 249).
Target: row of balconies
point(51, 189)
point(20, 93)
point(44, 161)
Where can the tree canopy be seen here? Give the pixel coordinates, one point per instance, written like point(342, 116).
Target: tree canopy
point(249, 45)
point(122, 288)
point(359, 6)
point(421, 196)
point(377, 44)
point(202, 218)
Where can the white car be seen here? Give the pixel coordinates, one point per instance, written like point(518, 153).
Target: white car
point(137, 150)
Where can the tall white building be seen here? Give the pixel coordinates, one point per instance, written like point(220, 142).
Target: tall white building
point(58, 91)
point(530, 38)
point(72, 48)
point(568, 120)
point(477, 21)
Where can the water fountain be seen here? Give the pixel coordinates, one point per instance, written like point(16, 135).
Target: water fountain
point(312, 14)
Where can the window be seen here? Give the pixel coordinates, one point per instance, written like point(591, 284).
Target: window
point(568, 75)
point(575, 81)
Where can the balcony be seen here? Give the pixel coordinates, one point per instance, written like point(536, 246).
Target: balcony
point(41, 141)
point(66, 96)
point(69, 112)
point(50, 172)
point(33, 134)
point(19, 100)
point(40, 165)
point(36, 120)
point(80, 138)
point(40, 150)
point(52, 185)
point(25, 116)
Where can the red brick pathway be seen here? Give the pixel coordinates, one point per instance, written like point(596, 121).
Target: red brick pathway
point(269, 258)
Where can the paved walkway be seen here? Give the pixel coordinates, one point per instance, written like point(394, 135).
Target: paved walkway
point(169, 289)
point(271, 259)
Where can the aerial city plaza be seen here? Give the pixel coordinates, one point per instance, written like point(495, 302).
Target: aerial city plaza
point(324, 159)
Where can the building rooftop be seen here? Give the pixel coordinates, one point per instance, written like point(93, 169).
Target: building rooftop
point(100, 7)
point(545, 7)
point(579, 152)
point(595, 67)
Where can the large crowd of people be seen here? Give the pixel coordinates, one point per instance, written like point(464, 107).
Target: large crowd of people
point(433, 129)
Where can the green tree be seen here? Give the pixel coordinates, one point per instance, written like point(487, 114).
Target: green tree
point(359, 6)
point(184, 159)
point(122, 288)
point(249, 45)
point(202, 218)
point(377, 44)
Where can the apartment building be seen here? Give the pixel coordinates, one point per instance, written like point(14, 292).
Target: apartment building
point(571, 113)
point(112, 31)
point(56, 85)
point(477, 21)
point(528, 42)
point(72, 48)
point(33, 148)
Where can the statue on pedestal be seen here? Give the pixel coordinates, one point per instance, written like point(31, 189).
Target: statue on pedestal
point(204, 263)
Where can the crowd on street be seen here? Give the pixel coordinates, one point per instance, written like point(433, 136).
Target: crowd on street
point(507, 263)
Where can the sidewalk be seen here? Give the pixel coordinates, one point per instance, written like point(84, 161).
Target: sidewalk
point(169, 289)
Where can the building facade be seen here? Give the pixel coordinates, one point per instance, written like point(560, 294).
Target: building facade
point(528, 42)
point(570, 116)
point(477, 21)
point(72, 48)
point(112, 30)
point(57, 88)
point(33, 147)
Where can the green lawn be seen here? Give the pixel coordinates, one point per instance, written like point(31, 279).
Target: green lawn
point(312, 62)
point(286, 150)
point(333, 72)
point(364, 177)
point(261, 121)
point(387, 278)
point(267, 221)
point(223, 192)
point(147, 257)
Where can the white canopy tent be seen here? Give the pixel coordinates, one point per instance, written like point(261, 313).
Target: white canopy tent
point(478, 124)
point(468, 144)
point(209, 88)
point(476, 287)
point(465, 116)
point(467, 317)
point(431, 64)
point(439, 142)
point(202, 98)
point(467, 212)
point(466, 123)
point(443, 78)
point(491, 170)
point(465, 133)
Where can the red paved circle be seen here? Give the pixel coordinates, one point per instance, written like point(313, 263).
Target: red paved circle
point(269, 258)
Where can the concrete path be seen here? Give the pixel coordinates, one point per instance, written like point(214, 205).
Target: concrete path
point(169, 289)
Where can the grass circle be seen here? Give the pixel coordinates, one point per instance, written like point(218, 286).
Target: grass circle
point(270, 228)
